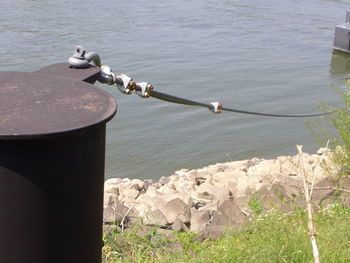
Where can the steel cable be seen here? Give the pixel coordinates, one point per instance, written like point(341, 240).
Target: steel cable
point(81, 59)
point(178, 100)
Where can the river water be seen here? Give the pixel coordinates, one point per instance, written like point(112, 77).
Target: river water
point(271, 56)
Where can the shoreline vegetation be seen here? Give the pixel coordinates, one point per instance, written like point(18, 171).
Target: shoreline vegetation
point(287, 209)
point(243, 211)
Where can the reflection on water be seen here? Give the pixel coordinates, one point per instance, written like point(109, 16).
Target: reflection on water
point(340, 63)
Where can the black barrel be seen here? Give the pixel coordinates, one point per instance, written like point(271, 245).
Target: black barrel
point(52, 156)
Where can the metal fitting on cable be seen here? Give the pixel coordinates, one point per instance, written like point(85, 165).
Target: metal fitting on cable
point(107, 76)
point(143, 89)
point(216, 107)
point(125, 84)
point(82, 59)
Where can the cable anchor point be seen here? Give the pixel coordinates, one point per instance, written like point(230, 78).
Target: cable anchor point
point(82, 59)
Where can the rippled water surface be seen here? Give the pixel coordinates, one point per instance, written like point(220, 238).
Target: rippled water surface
point(271, 56)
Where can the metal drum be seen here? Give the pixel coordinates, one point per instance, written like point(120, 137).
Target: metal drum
point(52, 157)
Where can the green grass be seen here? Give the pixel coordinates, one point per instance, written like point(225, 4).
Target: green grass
point(272, 237)
point(255, 204)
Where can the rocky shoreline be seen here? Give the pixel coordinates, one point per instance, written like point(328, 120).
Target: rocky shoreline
point(210, 200)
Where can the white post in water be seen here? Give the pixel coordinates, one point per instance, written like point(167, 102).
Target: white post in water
point(342, 35)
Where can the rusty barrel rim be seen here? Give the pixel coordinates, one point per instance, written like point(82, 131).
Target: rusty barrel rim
point(34, 104)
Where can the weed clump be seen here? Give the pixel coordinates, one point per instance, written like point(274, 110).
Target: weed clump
point(335, 128)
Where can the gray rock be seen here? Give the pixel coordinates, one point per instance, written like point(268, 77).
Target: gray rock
point(111, 189)
point(173, 209)
point(210, 190)
point(108, 215)
point(120, 211)
point(253, 161)
point(133, 221)
point(167, 189)
point(141, 209)
point(193, 174)
point(222, 193)
point(137, 184)
point(293, 181)
point(107, 229)
point(128, 193)
point(277, 196)
point(331, 189)
point(126, 180)
point(243, 203)
point(185, 217)
point(185, 188)
point(155, 217)
point(321, 151)
point(152, 198)
point(115, 213)
point(345, 198)
point(109, 199)
point(263, 168)
point(199, 220)
point(181, 172)
point(112, 183)
point(229, 215)
point(323, 191)
point(178, 225)
point(128, 202)
point(207, 191)
point(344, 184)
point(233, 188)
point(211, 232)
point(202, 199)
point(147, 183)
point(206, 187)
point(164, 180)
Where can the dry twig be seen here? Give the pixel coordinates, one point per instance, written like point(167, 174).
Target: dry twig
point(122, 222)
point(308, 190)
point(331, 188)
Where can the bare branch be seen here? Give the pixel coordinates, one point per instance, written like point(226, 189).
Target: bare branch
point(127, 212)
point(308, 195)
point(331, 188)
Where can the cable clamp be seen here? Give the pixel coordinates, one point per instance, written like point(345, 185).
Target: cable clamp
point(216, 107)
point(127, 86)
point(107, 76)
point(143, 89)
